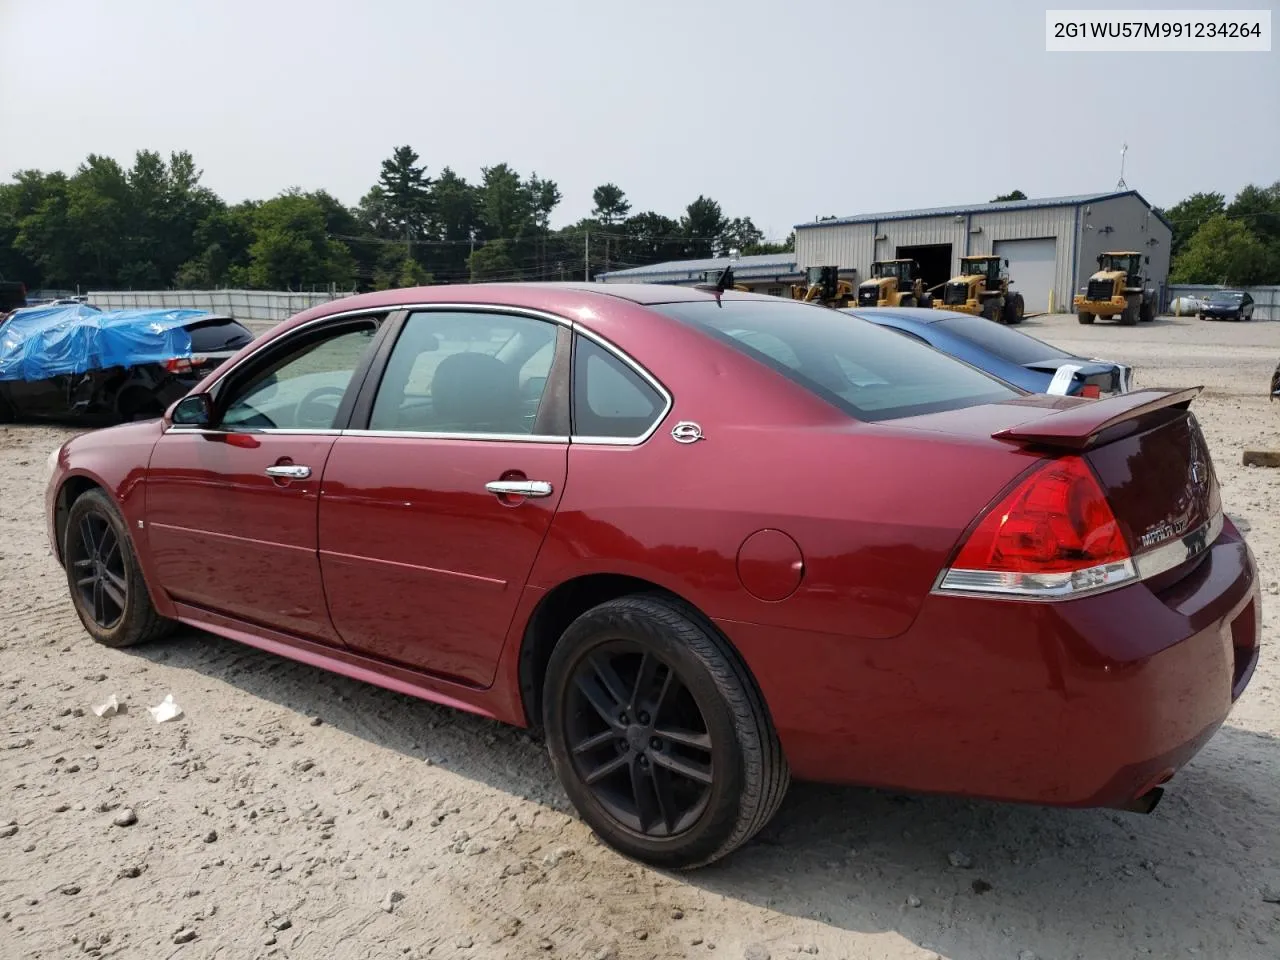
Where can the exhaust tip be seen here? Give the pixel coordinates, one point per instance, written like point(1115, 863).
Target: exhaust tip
point(1146, 802)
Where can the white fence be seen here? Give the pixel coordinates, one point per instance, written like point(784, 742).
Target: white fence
point(254, 308)
point(1266, 300)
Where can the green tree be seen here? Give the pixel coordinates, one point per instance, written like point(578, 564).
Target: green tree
point(650, 238)
point(1225, 251)
point(786, 246)
point(492, 262)
point(611, 204)
point(1189, 215)
point(1259, 209)
point(740, 234)
point(702, 225)
point(506, 204)
point(1012, 195)
point(405, 193)
point(291, 249)
point(22, 198)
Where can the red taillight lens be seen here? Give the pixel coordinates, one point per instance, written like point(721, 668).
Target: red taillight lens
point(1054, 535)
point(178, 365)
point(1091, 390)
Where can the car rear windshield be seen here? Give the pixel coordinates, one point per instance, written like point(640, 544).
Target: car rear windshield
point(1000, 340)
point(864, 370)
point(217, 336)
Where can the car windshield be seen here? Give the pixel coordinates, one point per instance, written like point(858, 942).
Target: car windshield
point(1226, 296)
point(1000, 340)
point(867, 372)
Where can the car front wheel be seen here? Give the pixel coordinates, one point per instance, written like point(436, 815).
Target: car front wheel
point(106, 583)
point(658, 734)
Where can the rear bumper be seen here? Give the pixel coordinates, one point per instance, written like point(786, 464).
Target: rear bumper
point(1088, 702)
point(1104, 307)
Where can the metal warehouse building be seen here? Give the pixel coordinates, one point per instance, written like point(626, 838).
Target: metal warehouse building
point(1051, 244)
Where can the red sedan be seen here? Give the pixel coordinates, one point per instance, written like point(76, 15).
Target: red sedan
point(706, 542)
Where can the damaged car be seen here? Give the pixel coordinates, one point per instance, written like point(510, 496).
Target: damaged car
point(76, 363)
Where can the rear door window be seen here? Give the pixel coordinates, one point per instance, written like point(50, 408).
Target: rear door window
point(1001, 341)
point(218, 336)
point(610, 399)
point(867, 371)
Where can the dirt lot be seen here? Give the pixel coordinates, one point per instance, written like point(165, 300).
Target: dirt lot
point(291, 813)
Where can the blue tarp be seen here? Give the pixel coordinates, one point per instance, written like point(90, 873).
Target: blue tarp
point(41, 342)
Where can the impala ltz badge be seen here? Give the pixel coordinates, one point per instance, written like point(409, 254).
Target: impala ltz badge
point(686, 431)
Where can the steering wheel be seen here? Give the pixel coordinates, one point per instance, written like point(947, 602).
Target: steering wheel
point(316, 410)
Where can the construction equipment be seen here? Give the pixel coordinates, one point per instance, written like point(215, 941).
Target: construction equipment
point(823, 285)
point(982, 288)
point(893, 283)
point(1118, 289)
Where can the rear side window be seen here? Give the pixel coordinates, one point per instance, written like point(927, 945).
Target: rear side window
point(1001, 341)
point(869, 372)
point(217, 336)
point(610, 399)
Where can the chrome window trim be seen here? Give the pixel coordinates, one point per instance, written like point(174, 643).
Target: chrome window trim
point(531, 312)
point(437, 435)
point(1048, 588)
point(253, 431)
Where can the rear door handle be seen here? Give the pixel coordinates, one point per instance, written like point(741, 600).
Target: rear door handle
point(289, 471)
point(519, 488)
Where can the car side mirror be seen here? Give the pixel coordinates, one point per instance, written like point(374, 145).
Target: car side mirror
point(193, 411)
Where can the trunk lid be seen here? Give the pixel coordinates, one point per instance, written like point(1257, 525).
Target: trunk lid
point(1146, 448)
point(1149, 453)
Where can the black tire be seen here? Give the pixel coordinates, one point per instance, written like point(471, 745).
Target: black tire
point(103, 576)
point(1083, 317)
point(1014, 307)
point(1129, 315)
point(1146, 312)
point(702, 682)
point(907, 300)
point(927, 301)
point(991, 309)
point(7, 413)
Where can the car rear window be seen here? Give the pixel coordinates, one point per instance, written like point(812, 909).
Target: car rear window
point(869, 372)
point(214, 336)
point(1000, 340)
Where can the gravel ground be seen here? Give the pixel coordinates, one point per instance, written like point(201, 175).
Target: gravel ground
point(293, 813)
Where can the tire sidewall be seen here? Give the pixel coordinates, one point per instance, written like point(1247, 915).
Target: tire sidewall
point(123, 633)
point(706, 836)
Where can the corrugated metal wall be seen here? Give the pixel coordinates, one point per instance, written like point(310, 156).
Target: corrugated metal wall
point(1132, 226)
point(849, 245)
point(1266, 300)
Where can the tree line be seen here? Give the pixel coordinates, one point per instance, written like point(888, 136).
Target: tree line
point(154, 225)
point(1236, 243)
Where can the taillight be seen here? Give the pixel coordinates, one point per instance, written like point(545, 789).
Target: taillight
point(183, 364)
point(1053, 536)
point(1091, 390)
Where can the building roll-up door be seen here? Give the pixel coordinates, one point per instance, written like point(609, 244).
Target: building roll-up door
point(1032, 269)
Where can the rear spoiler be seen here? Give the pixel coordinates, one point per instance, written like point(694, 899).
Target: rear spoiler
point(1077, 427)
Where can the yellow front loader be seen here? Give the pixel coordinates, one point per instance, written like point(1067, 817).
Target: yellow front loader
point(893, 283)
point(982, 288)
point(1117, 289)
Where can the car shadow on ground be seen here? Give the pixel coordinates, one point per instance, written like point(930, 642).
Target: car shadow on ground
point(951, 875)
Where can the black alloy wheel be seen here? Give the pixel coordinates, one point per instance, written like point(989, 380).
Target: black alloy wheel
point(97, 566)
point(104, 577)
point(659, 734)
point(639, 740)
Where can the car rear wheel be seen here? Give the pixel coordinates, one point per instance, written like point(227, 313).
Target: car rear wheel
point(103, 575)
point(658, 734)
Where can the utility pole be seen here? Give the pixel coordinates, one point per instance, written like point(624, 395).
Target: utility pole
point(586, 256)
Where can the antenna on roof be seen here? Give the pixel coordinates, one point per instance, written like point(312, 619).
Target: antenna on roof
point(1120, 184)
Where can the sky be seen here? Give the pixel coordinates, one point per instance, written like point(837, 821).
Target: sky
point(781, 111)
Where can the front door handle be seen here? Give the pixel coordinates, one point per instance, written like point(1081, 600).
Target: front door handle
point(289, 471)
point(519, 488)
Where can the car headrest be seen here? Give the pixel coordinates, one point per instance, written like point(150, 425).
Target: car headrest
point(476, 390)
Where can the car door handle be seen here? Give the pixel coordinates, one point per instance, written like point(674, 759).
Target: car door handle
point(289, 471)
point(519, 488)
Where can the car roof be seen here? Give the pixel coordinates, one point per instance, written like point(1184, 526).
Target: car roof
point(914, 314)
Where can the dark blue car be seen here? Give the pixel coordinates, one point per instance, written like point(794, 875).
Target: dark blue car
point(1012, 356)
